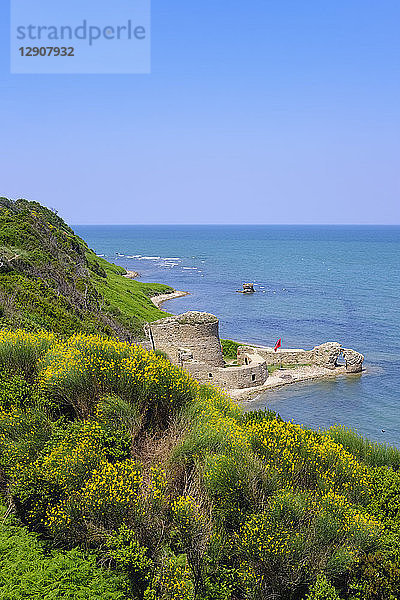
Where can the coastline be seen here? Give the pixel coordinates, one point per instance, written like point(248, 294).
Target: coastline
point(161, 298)
point(287, 377)
point(131, 275)
point(279, 378)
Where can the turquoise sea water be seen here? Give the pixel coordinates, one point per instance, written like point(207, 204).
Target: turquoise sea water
point(314, 284)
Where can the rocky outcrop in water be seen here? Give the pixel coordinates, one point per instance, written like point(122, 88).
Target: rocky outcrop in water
point(326, 355)
point(354, 360)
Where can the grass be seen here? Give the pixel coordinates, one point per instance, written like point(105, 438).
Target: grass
point(371, 453)
point(129, 297)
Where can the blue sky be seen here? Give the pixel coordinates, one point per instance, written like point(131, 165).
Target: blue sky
point(255, 112)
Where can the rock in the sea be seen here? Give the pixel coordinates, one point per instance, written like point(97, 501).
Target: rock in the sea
point(326, 355)
point(354, 360)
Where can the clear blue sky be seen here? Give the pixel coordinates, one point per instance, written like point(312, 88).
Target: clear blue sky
point(255, 112)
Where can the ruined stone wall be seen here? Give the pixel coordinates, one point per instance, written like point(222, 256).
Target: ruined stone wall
point(229, 377)
point(287, 357)
point(192, 341)
point(326, 355)
point(194, 332)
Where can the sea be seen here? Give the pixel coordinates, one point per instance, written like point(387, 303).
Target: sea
point(313, 284)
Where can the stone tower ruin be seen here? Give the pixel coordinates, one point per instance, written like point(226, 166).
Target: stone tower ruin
point(193, 335)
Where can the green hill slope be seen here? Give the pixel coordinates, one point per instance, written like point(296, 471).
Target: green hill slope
point(50, 279)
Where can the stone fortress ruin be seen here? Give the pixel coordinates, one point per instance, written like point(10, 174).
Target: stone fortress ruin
point(191, 340)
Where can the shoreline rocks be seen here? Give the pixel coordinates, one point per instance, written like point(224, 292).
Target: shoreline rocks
point(354, 360)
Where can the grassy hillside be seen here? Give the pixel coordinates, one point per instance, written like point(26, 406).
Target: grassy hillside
point(50, 279)
point(109, 447)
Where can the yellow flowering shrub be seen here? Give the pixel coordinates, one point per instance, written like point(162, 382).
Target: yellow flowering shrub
point(338, 519)
point(112, 486)
point(175, 582)
point(23, 432)
point(84, 368)
point(186, 514)
point(308, 459)
point(238, 502)
point(77, 454)
point(111, 492)
point(20, 350)
point(157, 492)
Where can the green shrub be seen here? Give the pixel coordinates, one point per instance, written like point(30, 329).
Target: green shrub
point(254, 416)
point(14, 390)
point(385, 497)
point(229, 348)
point(322, 590)
point(133, 558)
point(26, 572)
point(20, 351)
point(375, 577)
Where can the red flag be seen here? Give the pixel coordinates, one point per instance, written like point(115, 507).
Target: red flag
point(278, 344)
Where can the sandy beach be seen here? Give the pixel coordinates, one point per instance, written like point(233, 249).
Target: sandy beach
point(158, 300)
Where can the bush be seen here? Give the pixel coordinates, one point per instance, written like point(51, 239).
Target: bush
point(230, 348)
point(14, 390)
point(131, 557)
point(322, 590)
point(27, 573)
point(376, 577)
point(21, 351)
point(86, 368)
point(173, 582)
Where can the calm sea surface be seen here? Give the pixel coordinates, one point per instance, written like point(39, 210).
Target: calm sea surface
point(314, 284)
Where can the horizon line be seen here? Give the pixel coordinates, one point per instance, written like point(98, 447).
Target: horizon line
point(236, 224)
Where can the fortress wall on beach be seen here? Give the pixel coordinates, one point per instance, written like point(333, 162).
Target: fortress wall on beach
point(287, 357)
point(229, 377)
point(326, 355)
point(191, 340)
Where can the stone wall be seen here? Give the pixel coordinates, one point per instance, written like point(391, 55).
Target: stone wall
point(287, 357)
point(192, 333)
point(229, 377)
point(326, 355)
